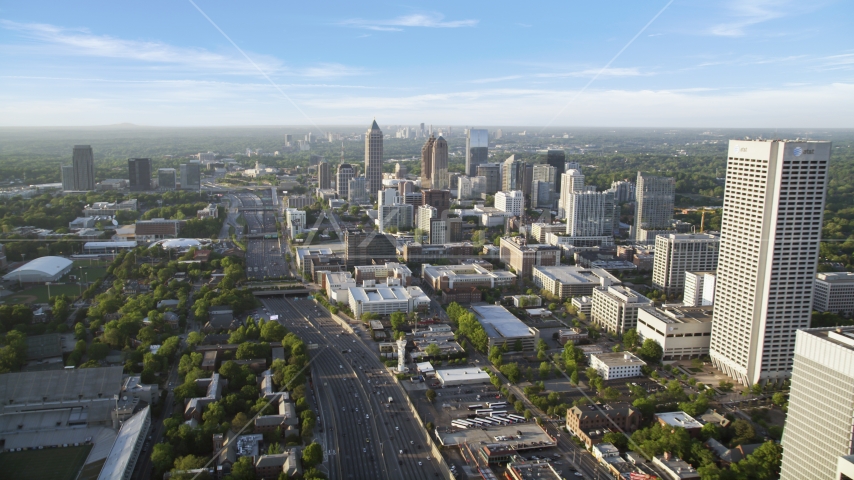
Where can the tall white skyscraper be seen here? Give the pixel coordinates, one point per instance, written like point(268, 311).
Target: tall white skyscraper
point(770, 234)
point(571, 181)
point(589, 213)
point(820, 421)
point(439, 165)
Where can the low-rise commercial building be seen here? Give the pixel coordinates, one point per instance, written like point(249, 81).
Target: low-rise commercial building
point(387, 300)
point(617, 365)
point(521, 257)
point(567, 281)
point(615, 308)
point(338, 285)
point(451, 377)
point(571, 335)
point(591, 423)
point(682, 332)
point(416, 252)
point(440, 277)
point(157, 229)
point(380, 272)
point(675, 468)
point(583, 304)
point(681, 420)
point(504, 329)
point(834, 292)
point(539, 230)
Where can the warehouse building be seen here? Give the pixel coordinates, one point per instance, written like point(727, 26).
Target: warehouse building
point(452, 377)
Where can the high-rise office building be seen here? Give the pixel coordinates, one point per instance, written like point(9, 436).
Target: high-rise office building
point(589, 213)
point(624, 191)
point(512, 174)
point(477, 150)
point(439, 178)
point(191, 176)
point(572, 181)
point(400, 171)
point(357, 191)
point(557, 159)
point(427, 162)
point(448, 230)
point(167, 179)
point(346, 172)
point(363, 248)
point(324, 176)
point(440, 199)
point(654, 197)
point(512, 202)
point(139, 173)
point(68, 177)
point(543, 195)
point(374, 158)
point(314, 160)
point(678, 253)
point(423, 215)
point(770, 234)
point(819, 428)
point(289, 140)
point(83, 161)
point(492, 173)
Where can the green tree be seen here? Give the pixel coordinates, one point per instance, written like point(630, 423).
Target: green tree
point(398, 320)
point(243, 469)
point(312, 455)
point(511, 371)
point(98, 351)
point(273, 331)
point(430, 394)
point(162, 458)
point(433, 350)
point(651, 351)
point(574, 377)
point(630, 339)
point(617, 439)
point(517, 346)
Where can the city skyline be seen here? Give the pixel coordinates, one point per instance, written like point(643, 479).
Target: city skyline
point(734, 64)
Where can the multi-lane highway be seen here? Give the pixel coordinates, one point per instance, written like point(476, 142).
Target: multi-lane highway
point(364, 435)
point(264, 258)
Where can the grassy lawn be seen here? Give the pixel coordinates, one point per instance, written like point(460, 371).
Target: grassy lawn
point(47, 464)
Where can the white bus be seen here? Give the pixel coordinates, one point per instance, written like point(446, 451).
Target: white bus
point(516, 417)
point(465, 422)
point(502, 419)
point(459, 425)
point(497, 405)
point(483, 411)
point(497, 412)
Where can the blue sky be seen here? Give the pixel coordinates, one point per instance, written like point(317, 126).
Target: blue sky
point(740, 63)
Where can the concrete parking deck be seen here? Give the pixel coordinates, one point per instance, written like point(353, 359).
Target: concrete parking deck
point(531, 435)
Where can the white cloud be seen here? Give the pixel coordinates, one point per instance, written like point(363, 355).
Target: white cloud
point(586, 73)
point(54, 40)
point(744, 14)
point(432, 20)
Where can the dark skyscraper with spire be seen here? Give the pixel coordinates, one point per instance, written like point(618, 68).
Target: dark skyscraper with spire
point(374, 158)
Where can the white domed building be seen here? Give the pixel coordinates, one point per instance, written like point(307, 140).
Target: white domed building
point(41, 270)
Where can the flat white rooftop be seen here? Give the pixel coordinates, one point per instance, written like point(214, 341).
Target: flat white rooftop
point(499, 322)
